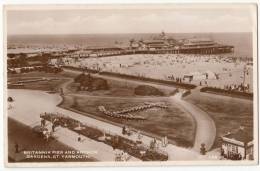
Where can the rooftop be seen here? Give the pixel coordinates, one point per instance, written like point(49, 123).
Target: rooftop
point(240, 135)
point(153, 41)
point(195, 40)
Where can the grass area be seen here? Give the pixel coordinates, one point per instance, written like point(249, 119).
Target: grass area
point(113, 91)
point(40, 74)
point(228, 113)
point(30, 141)
point(43, 85)
point(116, 88)
point(47, 85)
point(177, 125)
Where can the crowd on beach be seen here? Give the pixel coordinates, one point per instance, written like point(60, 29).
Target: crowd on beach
point(240, 87)
point(223, 68)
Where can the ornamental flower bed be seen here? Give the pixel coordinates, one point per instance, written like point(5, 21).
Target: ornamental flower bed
point(117, 142)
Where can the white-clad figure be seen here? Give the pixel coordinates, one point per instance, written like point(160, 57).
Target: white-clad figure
point(163, 142)
point(46, 135)
point(157, 144)
point(166, 141)
point(124, 156)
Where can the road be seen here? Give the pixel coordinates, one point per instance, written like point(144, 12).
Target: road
point(205, 126)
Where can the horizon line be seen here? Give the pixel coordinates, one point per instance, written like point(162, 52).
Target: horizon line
point(125, 33)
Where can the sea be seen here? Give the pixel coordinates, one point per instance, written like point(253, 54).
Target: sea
point(243, 42)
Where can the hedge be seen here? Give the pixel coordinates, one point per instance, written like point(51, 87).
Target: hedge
point(132, 77)
point(166, 82)
point(232, 93)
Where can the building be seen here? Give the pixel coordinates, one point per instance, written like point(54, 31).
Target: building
point(204, 46)
point(165, 44)
point(237, 145)
point(156, 43)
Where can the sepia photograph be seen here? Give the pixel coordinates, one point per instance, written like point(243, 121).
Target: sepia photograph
point(119, 85)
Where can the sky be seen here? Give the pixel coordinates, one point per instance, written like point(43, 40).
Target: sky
point(169, 18)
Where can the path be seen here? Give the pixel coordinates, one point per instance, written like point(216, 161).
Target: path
point(28, 112)
point(205, 126)
point(25, 112)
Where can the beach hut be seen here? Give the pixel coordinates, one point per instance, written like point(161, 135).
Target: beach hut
point(195, 76)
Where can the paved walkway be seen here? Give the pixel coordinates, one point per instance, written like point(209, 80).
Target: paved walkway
point(205, 126)
point(28, 111)
point(26, 108)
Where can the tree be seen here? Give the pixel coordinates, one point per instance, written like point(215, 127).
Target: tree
point(11, 55)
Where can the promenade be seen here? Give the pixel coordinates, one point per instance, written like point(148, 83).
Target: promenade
point(28, 112)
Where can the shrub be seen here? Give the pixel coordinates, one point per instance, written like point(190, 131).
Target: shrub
point(146, 90)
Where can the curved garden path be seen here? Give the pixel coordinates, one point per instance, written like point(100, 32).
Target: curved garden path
point(205, 126)
point(27, 111)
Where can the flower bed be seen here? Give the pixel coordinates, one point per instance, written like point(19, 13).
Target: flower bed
point(116, 141)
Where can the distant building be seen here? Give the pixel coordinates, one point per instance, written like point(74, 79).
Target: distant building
point(155, 44)
point(165, 44)
point(237, 145)
point(159, 42)
point(204, 46)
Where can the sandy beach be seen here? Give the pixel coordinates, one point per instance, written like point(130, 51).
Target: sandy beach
point(163, 66)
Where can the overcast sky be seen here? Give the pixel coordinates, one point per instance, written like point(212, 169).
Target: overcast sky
point(181, 19)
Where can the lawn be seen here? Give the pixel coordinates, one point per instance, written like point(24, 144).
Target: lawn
point(228, 113)
point(116, 88)
point(172, 122)
point(53, 84)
